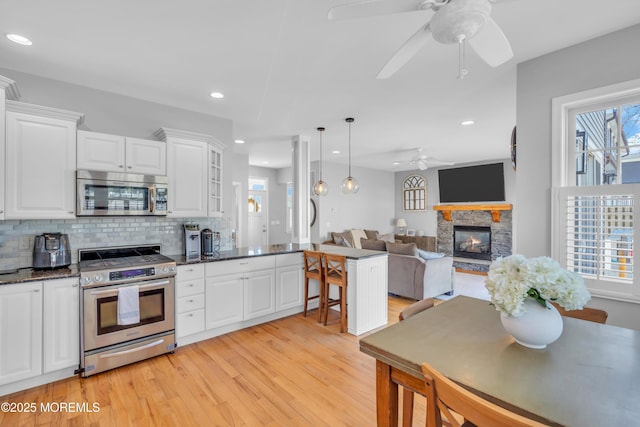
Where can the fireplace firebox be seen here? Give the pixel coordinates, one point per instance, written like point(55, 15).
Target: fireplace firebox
point(472, 242)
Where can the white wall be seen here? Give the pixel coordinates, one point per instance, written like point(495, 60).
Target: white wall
point(371, 208)
point(427, 221)
point(596, 63)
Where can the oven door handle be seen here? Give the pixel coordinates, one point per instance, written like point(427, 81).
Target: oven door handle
point(150, 285)
point(132, 350)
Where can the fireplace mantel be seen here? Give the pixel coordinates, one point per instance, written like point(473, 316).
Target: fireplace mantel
point(493, 208)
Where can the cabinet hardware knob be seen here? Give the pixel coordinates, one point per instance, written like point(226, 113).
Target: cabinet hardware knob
point(75, 285)
point(1, 211)
point(36, 290)
point(129, 167)
point(121, 166)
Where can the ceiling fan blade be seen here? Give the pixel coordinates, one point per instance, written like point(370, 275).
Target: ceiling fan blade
point(406, 52)
point(368, 8)
point(491, 44)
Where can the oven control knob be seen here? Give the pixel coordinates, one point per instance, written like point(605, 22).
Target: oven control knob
point(165, 269)
point(98, 278)
point(86, 280)
point(173, 269)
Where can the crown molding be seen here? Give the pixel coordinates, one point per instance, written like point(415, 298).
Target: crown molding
point(40, 110)
point(166, 133)
point(10, 88)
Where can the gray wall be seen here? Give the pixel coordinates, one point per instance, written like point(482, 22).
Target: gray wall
point(371, 208)
point(596, 63)
point(427, 221)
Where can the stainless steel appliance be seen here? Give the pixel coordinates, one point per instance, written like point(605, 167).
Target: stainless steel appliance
point(51, 250)
point(104, 273)
point(192, 242)
point(112, 193)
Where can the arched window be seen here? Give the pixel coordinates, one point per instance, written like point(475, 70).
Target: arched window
point(414, 193)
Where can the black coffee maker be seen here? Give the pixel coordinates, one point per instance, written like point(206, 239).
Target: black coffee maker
point(210, 242)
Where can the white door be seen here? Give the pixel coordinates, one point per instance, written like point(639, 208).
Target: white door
point(258, 217)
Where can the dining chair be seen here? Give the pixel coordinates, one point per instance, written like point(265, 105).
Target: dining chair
point(408, 394)
point(587, 313)
point(335, 273)
point(313, 270)
point(449, 397)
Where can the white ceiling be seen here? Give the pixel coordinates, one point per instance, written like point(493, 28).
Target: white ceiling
point(285, 69)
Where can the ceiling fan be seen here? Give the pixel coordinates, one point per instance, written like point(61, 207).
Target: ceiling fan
point(453, 21)
point(422, 161)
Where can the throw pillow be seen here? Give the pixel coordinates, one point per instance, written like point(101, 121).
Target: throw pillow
point(402, 248)
point(374, 245)
point(342, 239)
point(371, 234)
point(426, 255)
point(386, 237)
point(356, 235)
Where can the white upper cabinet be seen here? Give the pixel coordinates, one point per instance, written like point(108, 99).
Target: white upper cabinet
point(194, 169)
point(8, 90)
point(114, 153)
point(40, 161)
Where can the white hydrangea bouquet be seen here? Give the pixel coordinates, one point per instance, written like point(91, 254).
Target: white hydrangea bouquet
point(513, 279)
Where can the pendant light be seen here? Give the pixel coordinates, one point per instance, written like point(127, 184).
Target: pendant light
point(349, 184)
point(320, 188)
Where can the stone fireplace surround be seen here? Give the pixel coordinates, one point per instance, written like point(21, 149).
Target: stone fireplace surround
point(498, 217)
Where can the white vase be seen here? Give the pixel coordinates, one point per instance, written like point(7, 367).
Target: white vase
point(537, 327)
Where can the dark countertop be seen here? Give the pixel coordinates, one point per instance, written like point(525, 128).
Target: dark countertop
point(28, 274)
point(285, 248)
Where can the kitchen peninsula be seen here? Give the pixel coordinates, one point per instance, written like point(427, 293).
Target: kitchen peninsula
point(242, 287)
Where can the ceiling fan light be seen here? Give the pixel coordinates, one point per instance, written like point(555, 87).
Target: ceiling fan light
point(459, 18)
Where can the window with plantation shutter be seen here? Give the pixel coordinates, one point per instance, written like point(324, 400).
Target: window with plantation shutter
point(599, 235)
point(595, 190)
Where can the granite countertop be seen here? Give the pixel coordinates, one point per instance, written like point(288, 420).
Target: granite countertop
point(278, 249)
point(29, 274)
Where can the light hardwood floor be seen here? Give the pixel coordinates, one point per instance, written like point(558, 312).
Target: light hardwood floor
point(289, 372)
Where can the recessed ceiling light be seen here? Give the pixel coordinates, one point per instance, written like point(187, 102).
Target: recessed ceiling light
point(467, 122)
point(265, 163)
point(335, 152)
point(239, 141)
point(217, 95)
point(17, 38)
point(396, 163)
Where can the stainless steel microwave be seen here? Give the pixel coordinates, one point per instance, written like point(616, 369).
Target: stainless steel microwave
point(120, 194)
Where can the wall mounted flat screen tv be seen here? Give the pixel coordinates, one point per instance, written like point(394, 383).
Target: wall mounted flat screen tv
point(481, 183)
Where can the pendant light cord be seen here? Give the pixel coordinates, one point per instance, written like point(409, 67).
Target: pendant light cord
point(349, 120)
point(320, 130)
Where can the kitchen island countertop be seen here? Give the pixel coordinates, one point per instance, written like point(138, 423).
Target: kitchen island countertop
point(278, 249)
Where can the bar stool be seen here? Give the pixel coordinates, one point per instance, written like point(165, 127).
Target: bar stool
point(335, 273)
point(313, 270)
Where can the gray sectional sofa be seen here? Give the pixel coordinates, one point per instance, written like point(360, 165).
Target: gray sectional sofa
point(413, 272)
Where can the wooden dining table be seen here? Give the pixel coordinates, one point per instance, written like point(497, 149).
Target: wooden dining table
point(590, 376)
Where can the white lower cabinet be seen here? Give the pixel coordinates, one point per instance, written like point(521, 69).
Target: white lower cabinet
point(289, 281)
point(190, 301)
point(20, 331)
point(224, 295)
point(221, 296)
point(259, 293)
point(61, 324)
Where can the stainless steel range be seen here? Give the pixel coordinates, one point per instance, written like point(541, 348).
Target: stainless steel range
point(128, 296)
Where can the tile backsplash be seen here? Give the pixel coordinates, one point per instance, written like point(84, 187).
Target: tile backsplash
point(17, 236)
